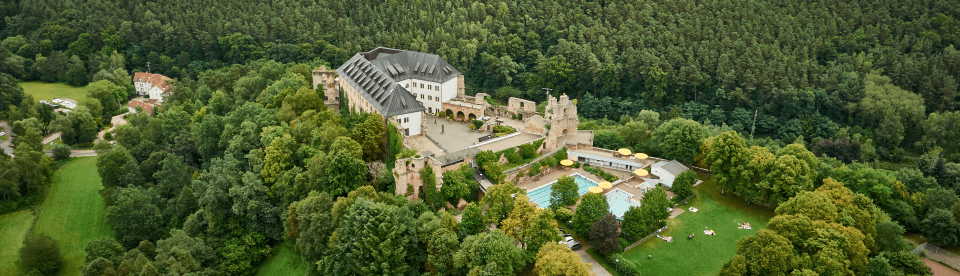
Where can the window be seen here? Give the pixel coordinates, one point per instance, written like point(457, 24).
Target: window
point(324, 98)
point(421, 96)
point(414, 95)
point(430, 98)
point(429, 86)
point(406, 120)
point(436, 88)
point(421, 85)
point(429, 109)
point(406, 85)
point(414, 84)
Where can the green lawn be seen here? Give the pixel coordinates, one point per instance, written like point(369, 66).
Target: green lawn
point(13, 229)
point(284, 261)
point(47, 91)
point(704, 254)
point(73, 211)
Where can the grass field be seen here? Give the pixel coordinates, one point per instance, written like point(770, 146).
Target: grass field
point(13, 229)
point(47, 91)
point(284, 261)
point(73, 211)
point(704, 254)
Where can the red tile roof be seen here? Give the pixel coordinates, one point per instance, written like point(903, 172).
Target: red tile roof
point(156, 80)
point(146, 107)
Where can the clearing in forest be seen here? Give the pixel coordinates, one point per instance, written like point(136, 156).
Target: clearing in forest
point(48, 91)
point(703, 254)
point(73, 211)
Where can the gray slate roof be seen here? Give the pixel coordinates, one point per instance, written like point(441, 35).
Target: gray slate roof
point(673, 167)
point(403, 65)
point(378, 87)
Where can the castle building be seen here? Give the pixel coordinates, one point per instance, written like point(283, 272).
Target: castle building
point(399, 85)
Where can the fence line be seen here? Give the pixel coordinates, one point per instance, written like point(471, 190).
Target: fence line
point(644, 239)
point(941, 255)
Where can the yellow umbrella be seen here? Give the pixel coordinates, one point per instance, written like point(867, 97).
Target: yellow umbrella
point(566, 162)
point(606, 185)
point(641, 172)
point(624, 151)
point(596, 190)
point(641, 155)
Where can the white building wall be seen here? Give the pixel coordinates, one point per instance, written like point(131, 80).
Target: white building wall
point(412, 121)
point(448, 90)
point(155, 93)
point(141, 87)
point(429, 95)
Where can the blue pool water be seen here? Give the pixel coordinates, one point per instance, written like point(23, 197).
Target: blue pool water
point(620, 202)
point(541, 196)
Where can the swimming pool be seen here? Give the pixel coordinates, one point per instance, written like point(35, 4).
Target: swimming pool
point(541, 195)
point(620, 202)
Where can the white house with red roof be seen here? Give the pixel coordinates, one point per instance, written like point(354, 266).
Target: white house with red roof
point(154, 86)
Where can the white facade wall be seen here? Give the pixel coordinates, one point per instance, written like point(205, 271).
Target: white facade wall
point(155, 93)
point(430, 95)
point(141, 87)
point(449, 90)
point(412, 122)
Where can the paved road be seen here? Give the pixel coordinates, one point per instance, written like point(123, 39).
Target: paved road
point(50, 138)
point(116, 121)
point(595, 267)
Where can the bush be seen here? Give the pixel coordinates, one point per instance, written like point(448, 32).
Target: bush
point(576, 165)
point(563, 214)
point(534, 169)
point(527, 151)
point(623, 266)
point(108, 136)
point(40, 252)
point(601, 173)
point(501, 130)
point(442, 114)
point(561, 154)
point(548, 162)
point(477, 123)
point(61, 152)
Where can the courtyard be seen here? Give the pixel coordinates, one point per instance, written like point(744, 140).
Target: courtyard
point(451, 136)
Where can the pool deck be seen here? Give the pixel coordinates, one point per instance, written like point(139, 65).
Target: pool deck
point(553, 176)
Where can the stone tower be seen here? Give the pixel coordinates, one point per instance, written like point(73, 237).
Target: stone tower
point(562, 116)
point(327, 79)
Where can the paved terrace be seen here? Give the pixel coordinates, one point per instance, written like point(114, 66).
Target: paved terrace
point(455, 136)
point(512, 141)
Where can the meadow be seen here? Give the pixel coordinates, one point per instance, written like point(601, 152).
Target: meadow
point(13, 229)
point(73, 211)
point(47, 91)
point(703, 254)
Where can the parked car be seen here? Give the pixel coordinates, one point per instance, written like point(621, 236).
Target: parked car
point(570, 243)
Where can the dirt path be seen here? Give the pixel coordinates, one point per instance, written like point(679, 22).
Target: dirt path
point(940, 269)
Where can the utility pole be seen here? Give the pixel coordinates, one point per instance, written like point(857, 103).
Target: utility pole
point(148, 67)
point(754, 127)
point(547, 90)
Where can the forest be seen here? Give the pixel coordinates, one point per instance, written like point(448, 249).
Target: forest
point(793, 97)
